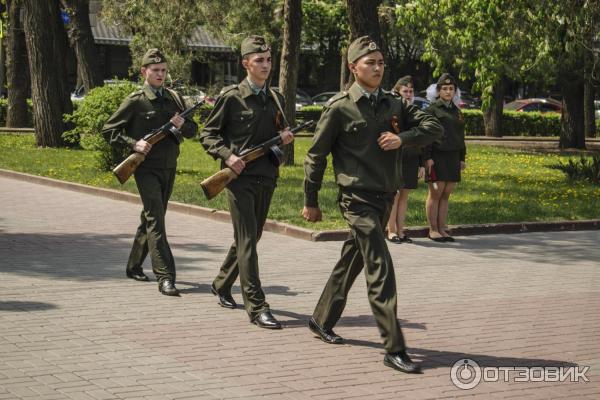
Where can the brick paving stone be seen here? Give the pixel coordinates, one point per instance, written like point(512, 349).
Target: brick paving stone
point(73, 327)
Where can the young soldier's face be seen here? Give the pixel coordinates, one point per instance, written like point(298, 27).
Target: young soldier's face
point(155, 74)
point(258, 66)
point(407, 93)
point(447, 92)
point(368, 70)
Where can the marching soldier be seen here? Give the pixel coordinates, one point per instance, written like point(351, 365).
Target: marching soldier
point(246, 115)
point(356, 127)
point(140, 113)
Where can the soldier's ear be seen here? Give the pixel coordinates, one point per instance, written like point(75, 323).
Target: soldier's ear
point(245, 62)
point(352, 67)
point(143, 71)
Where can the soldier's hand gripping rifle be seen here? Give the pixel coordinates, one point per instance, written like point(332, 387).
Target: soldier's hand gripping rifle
point(214, 184)
point(128, 166)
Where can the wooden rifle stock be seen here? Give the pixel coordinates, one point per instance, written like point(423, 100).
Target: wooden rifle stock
point(214, 184)
point(127, 167)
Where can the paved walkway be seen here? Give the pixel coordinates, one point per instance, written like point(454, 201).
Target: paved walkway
point(72, 326)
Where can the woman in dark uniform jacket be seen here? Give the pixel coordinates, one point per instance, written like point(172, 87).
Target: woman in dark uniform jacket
point(445, 160)
point(412, 170)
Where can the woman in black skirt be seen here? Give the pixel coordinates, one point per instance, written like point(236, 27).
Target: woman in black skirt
point(444, 161)
point(412, 170)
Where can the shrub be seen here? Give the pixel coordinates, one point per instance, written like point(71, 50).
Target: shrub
point(91, 114)
point(586, 168)
point(513, 123)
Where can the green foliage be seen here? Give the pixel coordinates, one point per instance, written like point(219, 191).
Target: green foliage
point(515, 123)
point(168, 25)
point(488, 39)
point(586, 168)
point(233, 20)
point(91, 114)
point(499, 185)
point(312, 109)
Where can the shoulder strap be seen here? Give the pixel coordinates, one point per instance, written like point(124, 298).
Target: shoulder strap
point(279, 107)
point(178, 101)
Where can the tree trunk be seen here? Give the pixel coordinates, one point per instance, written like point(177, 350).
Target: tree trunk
point(47, 48)
point(572, 134)
point(344, 71)
point(17, 70)
point(588, 97)
point(364, 19)
point(288, 71)
point(492, 115)
point(82, 41)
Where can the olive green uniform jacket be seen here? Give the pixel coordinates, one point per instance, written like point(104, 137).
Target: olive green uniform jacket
point(239, 121)
point(452, 120)
point(368, 178)
point(140, 113)
point(349, 128)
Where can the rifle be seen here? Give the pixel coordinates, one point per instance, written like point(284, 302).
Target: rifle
point(128, 166)
point(214, 184)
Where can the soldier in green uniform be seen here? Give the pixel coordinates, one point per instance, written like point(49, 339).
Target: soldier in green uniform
point(412, 170)
point(244, 116)
point(446, 158)
point(356, 127)
point(141, 112)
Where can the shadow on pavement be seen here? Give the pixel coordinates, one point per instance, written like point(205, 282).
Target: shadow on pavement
point(301, 320)
point(539, 247)
point(24, 306)
point(205, 288)
point(83, 257)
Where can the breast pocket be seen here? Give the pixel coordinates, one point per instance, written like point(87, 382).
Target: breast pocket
point(242, 122)
point(357, 132)
point(149, 119)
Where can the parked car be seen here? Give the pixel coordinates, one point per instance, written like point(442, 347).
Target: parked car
point(78, 94)
point(191, 94)
point(302, 98)
point(469, 102)
point(421, 102)
point(534, 104)
point(322, 98)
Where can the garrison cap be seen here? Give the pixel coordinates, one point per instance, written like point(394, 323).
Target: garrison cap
point(404, 81)
point(361, 47)
point(254, 44)
point(446, 79)
point(153, 56)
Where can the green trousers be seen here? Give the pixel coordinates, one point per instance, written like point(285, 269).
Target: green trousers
point(249, 200)
point(155, 186)
point(366, 213)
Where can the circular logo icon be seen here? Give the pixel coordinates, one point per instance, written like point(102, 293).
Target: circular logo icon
point(372, 46)
point(465, 374)
point(264, 47)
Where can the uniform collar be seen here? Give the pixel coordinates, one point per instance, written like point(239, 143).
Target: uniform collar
point(246, 90)
point(255, 88)
point(150, 92)
point(357, 92)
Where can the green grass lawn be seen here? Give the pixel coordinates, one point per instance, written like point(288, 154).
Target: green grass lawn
point(499, 185)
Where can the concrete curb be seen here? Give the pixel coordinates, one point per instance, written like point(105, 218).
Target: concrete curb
point(303, 233)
